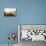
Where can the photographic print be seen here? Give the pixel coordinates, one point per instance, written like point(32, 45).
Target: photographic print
point(9, 11)
point(32, 32)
